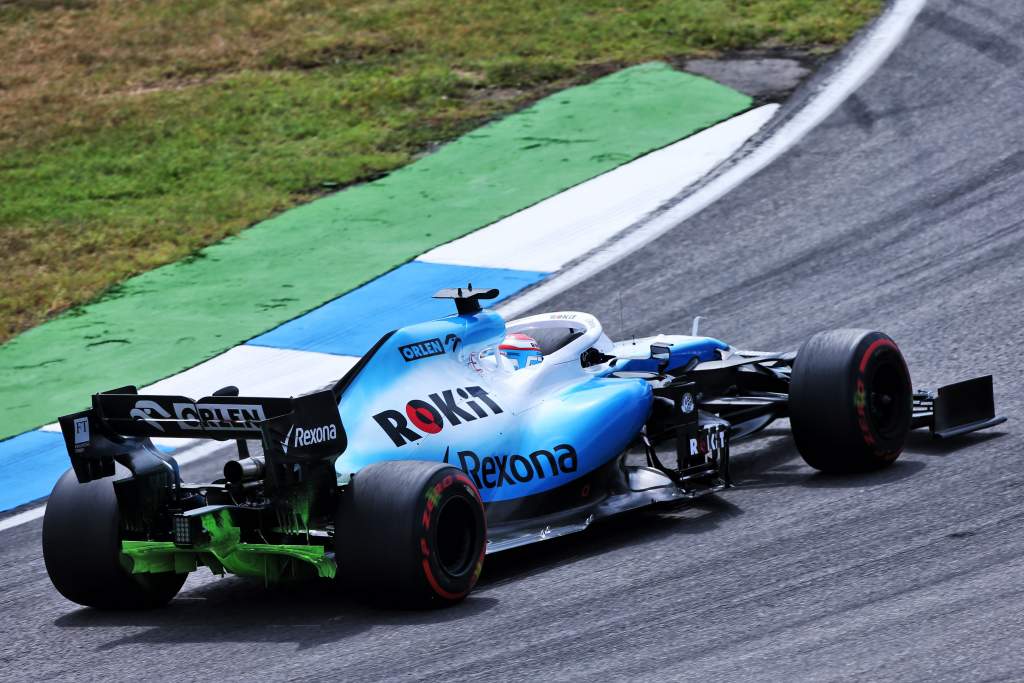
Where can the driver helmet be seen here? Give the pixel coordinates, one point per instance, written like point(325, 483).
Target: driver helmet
point(521, 349)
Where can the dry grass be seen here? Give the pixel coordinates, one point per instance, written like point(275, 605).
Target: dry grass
point(134, 133)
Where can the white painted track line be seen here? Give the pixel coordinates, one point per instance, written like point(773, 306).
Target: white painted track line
point(865, 58)
point(258, 371)
point(22, 518)
point(562, 228)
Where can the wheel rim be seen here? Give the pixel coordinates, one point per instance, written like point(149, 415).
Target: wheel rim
point(888, 397)
point(456, 536)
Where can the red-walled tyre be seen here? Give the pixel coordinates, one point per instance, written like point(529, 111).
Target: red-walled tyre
point(411, 532)
point(850, 401)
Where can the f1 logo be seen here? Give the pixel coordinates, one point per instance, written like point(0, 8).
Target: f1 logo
point(81, 431)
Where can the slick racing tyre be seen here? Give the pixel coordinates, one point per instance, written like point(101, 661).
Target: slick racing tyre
point(412, 532)
point(82, 549)
point(850, 401)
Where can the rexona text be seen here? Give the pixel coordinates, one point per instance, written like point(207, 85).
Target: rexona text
point(311, 437)
point(497, 471)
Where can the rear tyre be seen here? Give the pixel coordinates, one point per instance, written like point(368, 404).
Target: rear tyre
point(82, 550)
point(850, 401)
point(413, 533)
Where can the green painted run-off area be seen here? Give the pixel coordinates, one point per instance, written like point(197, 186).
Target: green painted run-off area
point(174, 317)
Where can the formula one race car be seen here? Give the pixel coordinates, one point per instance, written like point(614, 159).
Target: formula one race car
point(455, 438)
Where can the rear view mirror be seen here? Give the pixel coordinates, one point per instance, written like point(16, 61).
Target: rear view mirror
point(662, 354)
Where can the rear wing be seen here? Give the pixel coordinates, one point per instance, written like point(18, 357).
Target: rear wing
point(121, 423)
point(221, 416)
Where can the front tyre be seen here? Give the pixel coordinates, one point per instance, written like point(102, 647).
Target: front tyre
point(82, 550)
point(850, 401)
point(412, 532)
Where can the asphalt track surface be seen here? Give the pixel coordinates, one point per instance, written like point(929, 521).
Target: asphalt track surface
point(903, 212)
